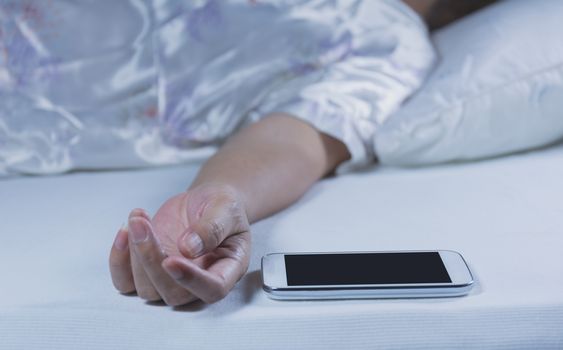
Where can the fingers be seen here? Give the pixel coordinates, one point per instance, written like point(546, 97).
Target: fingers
point(120, 263)
point(205, 285)
point(137, 261)
point(214, 283)
point(143, 284)
point(149, 256)
point(219, 217)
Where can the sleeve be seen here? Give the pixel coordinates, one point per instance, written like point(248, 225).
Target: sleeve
point(376, 56)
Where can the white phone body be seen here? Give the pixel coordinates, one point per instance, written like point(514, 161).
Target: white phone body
point(275, 277)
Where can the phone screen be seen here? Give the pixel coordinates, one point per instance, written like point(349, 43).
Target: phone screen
point(365, 268)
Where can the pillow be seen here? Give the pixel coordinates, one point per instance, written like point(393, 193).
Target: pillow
point(497, 89)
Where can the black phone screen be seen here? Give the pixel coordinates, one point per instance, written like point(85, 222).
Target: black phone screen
point(365, 268)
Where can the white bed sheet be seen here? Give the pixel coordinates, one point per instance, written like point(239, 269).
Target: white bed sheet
point(505, 216)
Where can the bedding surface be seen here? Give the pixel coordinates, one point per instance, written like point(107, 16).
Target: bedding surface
point(505, 216)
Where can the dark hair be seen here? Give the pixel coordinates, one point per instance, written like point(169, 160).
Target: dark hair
point(444, 12)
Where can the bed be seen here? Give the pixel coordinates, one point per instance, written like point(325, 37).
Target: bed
point(504, 215)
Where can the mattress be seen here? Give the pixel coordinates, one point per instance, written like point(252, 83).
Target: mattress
point(505, 216)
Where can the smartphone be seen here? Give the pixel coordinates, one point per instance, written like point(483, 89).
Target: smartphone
point(362, 275)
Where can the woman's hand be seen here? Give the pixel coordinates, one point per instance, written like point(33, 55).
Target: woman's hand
point(197, 246)
point(257, 172)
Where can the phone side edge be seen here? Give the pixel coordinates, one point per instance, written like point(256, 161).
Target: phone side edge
point(457, 268)
point(273, 272)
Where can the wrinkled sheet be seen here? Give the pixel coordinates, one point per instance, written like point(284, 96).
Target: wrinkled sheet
point(134, 83)
point(504, 216)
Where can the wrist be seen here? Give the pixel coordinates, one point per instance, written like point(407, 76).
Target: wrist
point(237, 196)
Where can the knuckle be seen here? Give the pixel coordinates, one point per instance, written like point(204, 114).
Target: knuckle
point(241, 250)
point(216, 232)
point(239, 247)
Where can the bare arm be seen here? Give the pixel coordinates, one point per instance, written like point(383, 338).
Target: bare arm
point(439, 13)
point(272, 163)
point(197, 246)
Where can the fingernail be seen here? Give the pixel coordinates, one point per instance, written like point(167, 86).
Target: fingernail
point(139, 232)
point(120, 242)
point(193, 243)
point(176, 273)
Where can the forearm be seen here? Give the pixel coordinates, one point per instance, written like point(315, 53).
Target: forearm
point(272, 163)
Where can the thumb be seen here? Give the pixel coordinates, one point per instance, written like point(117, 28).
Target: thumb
point(222, 217)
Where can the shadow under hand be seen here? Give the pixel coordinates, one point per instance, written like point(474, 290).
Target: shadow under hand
point(194, 306)
point(251, 285)
point(241, 296)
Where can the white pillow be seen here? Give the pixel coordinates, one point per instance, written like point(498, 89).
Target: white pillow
point(498, 88)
